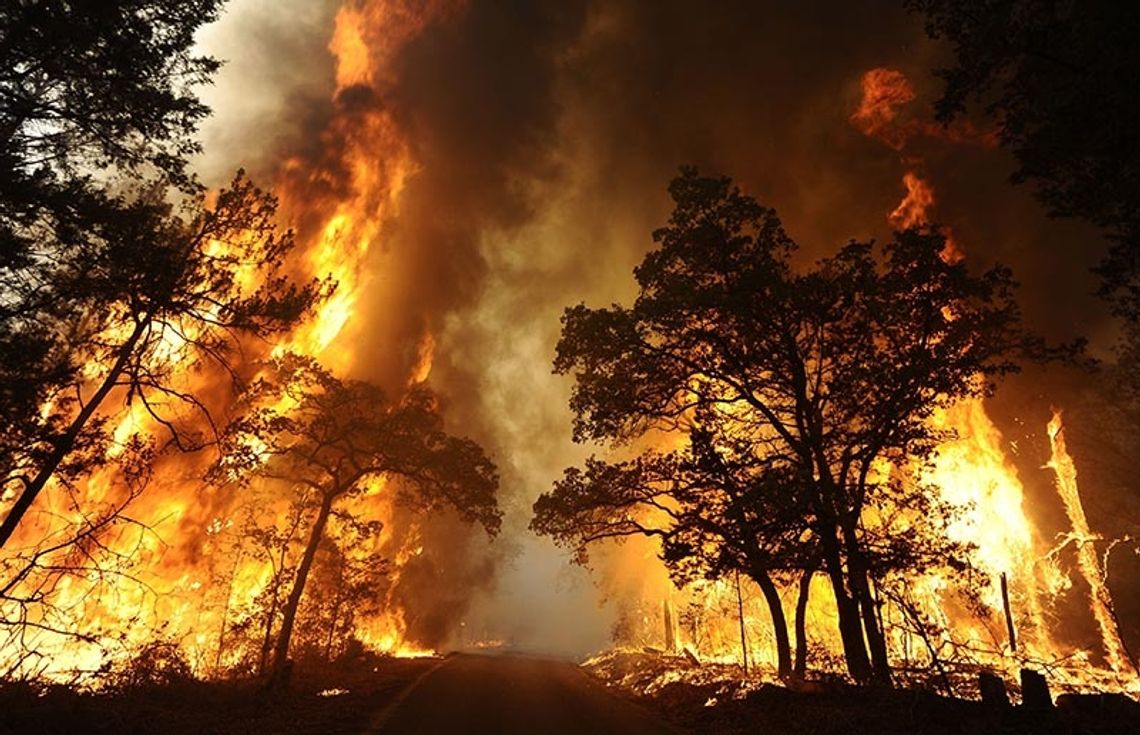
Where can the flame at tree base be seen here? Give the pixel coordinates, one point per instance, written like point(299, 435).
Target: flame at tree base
point(937, 636)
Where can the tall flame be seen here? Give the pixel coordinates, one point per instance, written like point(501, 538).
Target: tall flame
point(183, 568)
point(1100, 599)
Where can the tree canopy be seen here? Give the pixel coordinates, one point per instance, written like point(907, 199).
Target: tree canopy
point(94, 84)
point(322, 439)
point(118, 274)
point(797, 391)
point(97, 107)
point(1062, 82)
point(195, 286)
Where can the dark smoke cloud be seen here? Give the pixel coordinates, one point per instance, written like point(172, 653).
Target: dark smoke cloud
point(272, 94)
point(546, 133)
point(475, 98)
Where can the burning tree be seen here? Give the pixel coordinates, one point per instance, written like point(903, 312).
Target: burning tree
point(326, 442)
point(195, 289)
point(117, 274)
point(806, 398)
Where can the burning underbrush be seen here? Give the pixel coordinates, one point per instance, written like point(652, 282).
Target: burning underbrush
point(156, 692)
point(647, 672)
point(719, 699)
point(180, 540)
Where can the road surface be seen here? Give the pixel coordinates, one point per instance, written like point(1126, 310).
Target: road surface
point(505, 695)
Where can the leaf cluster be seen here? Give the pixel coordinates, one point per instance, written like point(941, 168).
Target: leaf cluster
point(300, 425)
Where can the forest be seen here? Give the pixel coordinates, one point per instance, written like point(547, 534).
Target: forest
point(401, 366)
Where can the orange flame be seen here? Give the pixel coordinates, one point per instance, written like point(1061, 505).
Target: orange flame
point(914, 208)
point(186, 570)
point(885, 93)
point(1100, 599)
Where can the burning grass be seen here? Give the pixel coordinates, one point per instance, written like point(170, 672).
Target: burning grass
point(717, 700)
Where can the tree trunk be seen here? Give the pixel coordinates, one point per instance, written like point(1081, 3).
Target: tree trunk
point(740, 619)
point(861, 587)
point(226, 610)
point(271, 614)
point(800, 668)
point(876, 641)
point(267, 639)
point(850, 625)
point(779, 622)
point(66, 443)
point(279, 678)
point(335, 616)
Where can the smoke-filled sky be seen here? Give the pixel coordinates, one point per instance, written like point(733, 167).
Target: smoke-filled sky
point(545, 134)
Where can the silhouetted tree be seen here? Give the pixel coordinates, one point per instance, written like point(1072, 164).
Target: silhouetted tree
point(1062, 82)
point(325, 440)
point(94, 84)
point(344, 586)
point(196, 286)
point(717, 509)
point(95, 98)
point(114, 270)
point(817, 381)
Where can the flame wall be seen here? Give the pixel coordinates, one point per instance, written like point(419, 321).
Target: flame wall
point(468, 169)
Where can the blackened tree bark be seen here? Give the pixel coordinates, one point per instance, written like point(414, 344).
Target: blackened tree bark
point(779, 623)
point(803, 592)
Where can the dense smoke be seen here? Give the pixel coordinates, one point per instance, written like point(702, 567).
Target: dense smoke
point(543, 136)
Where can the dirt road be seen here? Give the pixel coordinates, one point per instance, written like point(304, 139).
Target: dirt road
point(506, 694)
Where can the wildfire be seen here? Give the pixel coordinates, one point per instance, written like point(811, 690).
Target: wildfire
point(973, 472)
point(184, 568)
